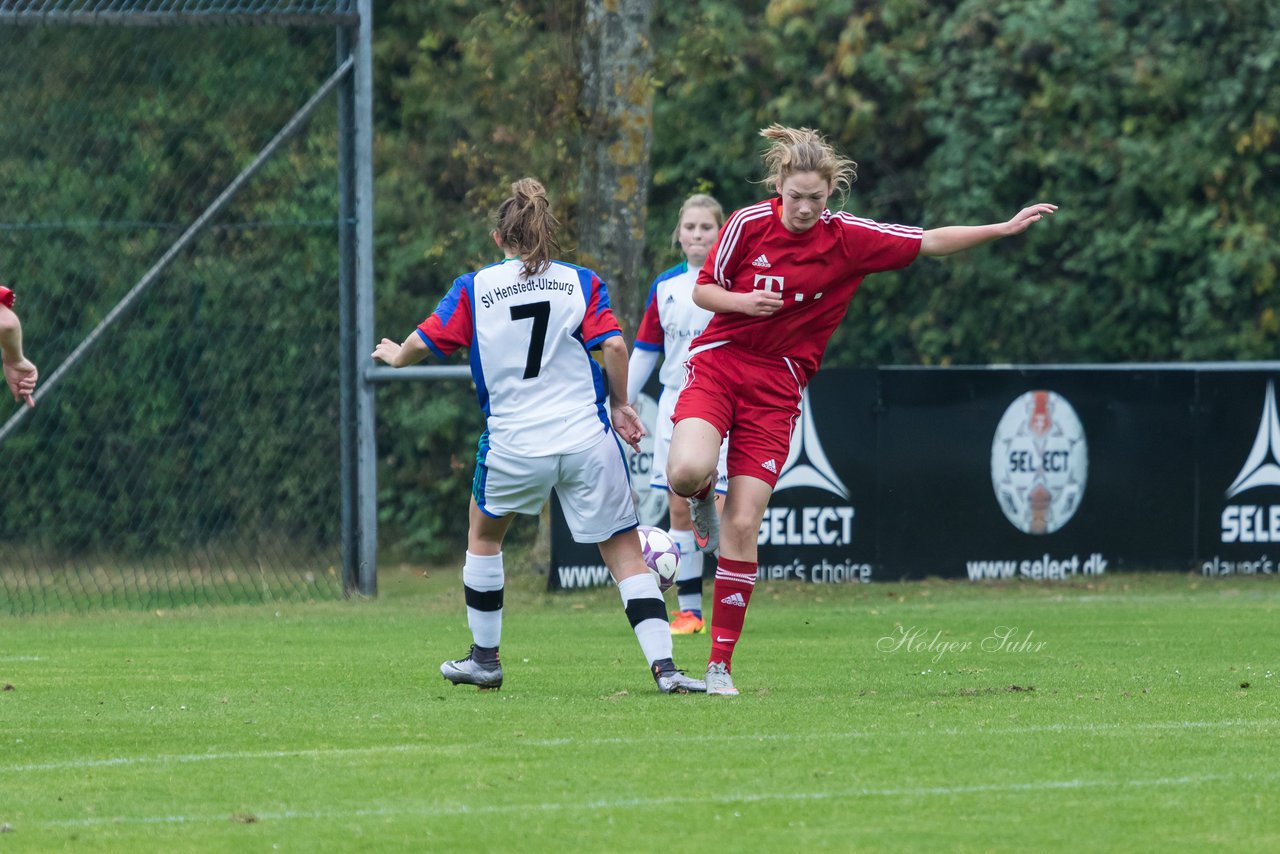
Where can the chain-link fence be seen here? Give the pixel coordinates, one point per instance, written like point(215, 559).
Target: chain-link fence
point(190, 449)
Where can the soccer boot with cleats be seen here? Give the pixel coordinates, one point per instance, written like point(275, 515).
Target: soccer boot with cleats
point(706, 522)
point(718, 680)
point(673, 681)
point(485, 675)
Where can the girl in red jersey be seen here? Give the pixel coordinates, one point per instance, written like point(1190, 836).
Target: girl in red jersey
point(19, 372)
point(780, 280)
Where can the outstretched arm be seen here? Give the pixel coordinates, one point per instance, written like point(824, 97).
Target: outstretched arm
point(625, 421)
point(957, 238)
point(19, 372)
point(412, 351)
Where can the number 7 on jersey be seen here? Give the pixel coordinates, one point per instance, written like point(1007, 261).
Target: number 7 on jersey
point(540, 314)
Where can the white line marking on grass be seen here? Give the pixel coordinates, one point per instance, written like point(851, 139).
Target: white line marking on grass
point(968, 733)
point(425, 747)
point(1106, 728)
point(20, 658)
point(436, 810)
point(165, 759)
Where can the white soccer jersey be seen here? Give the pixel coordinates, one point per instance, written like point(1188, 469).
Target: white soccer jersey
point(671, 321)
point(541, 391)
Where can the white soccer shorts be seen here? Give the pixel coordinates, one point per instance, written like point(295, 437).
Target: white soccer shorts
point(593, 486)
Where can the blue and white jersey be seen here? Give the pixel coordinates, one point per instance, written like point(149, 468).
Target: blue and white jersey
point(671, 321)
point(541, 391)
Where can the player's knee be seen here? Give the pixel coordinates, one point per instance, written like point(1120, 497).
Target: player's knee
point(685, 478)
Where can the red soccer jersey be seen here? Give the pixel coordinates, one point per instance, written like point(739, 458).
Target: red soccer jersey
point(817, 273)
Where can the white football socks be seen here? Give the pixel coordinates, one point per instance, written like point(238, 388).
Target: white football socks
point(690, 568)
point(648, 615)
point(483, 578)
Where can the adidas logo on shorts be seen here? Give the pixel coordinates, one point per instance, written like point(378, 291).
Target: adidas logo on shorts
point(735, 599)
point(761, 262)
point(770, 465)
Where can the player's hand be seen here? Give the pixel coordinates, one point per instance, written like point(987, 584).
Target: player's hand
point(21, 377)
point(761, 303)
point(388, 351)
point(1023, 219)
point(627, 424)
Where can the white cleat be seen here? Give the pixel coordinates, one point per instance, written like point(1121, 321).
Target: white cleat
point(719, 681)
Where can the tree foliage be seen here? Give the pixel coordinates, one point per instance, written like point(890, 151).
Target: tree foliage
point(1153, 127)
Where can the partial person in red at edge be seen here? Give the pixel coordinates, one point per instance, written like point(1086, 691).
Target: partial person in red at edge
point(19, 372)
point(779, 280)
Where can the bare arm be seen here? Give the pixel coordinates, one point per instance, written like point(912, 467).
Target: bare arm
point(720, 300)
point(19, 372)
point(412, 351)
point(10, 335)
point(956, 238)
point(625, 421)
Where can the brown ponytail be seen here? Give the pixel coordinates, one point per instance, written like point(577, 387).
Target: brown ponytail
point(527, 227)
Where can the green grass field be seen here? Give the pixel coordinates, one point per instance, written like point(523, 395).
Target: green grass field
point(1126, 713)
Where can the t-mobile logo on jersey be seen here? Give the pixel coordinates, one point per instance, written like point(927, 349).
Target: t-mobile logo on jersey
point(768, 283)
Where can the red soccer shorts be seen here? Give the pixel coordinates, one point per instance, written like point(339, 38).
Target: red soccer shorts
point(753, 398)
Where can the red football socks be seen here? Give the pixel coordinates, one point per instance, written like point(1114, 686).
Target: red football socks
point(735, 579)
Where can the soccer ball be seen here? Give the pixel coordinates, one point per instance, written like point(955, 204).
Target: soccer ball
point(661, 554)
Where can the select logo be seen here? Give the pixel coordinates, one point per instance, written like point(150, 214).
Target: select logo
point(1039, 462)
point(1256, 522)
